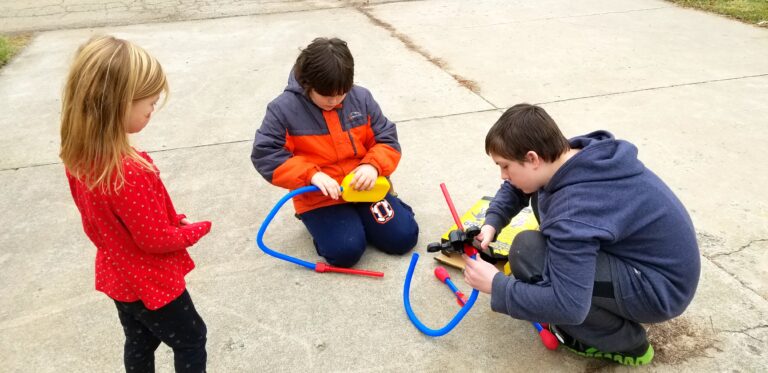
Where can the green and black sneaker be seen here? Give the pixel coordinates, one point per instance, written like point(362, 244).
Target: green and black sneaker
point(638, 356)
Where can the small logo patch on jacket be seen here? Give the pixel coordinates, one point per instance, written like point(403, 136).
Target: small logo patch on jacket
point(354, 115)
point(382, 211)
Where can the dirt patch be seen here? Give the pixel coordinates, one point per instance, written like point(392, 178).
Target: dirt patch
point(468, 84)
point(674, 342)
point(679, 339)
point(408, 42)
point(595, 366)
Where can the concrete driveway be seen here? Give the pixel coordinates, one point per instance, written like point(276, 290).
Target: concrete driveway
point(689, 88)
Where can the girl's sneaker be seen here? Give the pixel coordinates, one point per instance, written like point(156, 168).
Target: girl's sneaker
point(637, 356)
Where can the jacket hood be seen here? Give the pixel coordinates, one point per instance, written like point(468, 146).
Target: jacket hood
point(293, 84)
point(601, 157)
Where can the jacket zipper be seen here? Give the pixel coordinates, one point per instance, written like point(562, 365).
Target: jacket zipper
point(348, 130)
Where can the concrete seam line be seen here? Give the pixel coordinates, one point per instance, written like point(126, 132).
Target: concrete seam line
point(655, 88)
point(469, 84)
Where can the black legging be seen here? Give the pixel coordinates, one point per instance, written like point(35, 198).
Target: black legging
point(176, 324)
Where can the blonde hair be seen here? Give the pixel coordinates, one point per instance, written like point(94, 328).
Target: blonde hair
point(106, 77)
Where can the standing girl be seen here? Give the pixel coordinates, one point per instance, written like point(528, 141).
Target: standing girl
point(141, 242)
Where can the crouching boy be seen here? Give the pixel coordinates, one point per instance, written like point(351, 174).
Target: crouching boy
point(616, 248)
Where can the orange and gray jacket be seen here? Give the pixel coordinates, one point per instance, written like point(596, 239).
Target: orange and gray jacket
point(297, 139)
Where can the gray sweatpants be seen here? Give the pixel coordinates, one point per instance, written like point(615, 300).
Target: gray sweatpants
point(606, 327)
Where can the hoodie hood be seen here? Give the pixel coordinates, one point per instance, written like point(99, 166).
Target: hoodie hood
point(600, 158)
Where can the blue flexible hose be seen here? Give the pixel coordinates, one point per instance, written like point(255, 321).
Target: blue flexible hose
point(406, 288)
point(415, 320)
point(453, 287)
point(268, 219)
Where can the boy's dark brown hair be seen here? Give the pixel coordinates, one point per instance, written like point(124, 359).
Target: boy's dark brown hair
point(325, 66)
point(523, 128)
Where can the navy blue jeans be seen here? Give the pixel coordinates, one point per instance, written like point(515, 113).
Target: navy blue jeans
point(176, 324)
point(341, 232)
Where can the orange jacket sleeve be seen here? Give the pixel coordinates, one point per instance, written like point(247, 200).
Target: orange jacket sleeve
point(273, 157)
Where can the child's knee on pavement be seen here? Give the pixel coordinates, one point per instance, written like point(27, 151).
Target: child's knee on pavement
point(401, 235)
point(344, 252)
point(402, 241)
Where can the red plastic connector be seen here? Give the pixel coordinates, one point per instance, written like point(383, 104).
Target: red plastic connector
point(461, 299)
point(325, 267)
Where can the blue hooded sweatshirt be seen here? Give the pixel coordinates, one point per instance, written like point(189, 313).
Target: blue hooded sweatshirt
point(602, 199)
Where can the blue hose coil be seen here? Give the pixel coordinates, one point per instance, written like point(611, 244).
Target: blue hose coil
point(268, 219)
point(415, 320)
point(406, 287)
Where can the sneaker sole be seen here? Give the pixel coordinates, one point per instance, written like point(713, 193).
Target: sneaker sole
point(620, 359)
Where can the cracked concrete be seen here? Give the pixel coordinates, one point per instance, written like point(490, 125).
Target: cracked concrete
point(18, 16)
point(688, 88)
point(738, 250)
point(749, 264)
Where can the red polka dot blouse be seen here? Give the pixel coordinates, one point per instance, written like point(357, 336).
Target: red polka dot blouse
point(141, 246)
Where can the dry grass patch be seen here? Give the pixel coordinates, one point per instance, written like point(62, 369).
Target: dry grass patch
point(679, 339)
point(10, 45)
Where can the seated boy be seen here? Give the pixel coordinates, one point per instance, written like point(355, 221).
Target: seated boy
point(616, 248)
point(321, 128)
